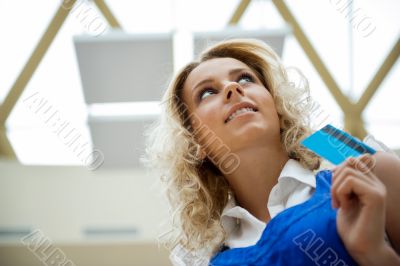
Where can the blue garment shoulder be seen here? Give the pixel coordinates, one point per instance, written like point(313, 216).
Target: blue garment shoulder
point(304, 234)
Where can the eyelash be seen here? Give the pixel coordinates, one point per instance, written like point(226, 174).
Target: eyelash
point(246, 75)
point(242, 76)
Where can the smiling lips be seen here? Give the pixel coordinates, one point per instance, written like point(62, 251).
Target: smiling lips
point(238, 109)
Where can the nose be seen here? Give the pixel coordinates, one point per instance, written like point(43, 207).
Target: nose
point(231, 90)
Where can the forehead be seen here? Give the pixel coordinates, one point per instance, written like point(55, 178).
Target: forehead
point(214, 68)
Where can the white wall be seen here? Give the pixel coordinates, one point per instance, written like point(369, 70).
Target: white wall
point(61, 201)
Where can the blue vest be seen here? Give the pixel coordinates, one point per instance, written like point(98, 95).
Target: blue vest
point(304, 234)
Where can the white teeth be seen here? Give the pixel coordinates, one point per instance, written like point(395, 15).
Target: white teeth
point(240, 111)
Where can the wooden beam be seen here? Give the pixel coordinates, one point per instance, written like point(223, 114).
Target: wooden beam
point(312, 54)
point(27, 72)
point(379, 77)
point(241, 8)
point(6, 149)
point(34, 60)
point(108, 15)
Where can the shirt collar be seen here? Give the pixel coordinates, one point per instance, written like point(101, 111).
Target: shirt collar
point(292, 175)
point(294, 170)
point(292, 179)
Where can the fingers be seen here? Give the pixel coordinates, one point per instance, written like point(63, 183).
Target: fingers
point(341, 175)
point(353, 168)
point(342, 178)
point(367, 163)
point(364, 163)
point(352, 186)
point(361, 164)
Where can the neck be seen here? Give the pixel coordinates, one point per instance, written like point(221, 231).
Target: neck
point(255, 177)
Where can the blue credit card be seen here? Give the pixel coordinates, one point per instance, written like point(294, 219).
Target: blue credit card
point(335, 145)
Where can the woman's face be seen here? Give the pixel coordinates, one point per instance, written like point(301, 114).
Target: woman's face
point(233, 104)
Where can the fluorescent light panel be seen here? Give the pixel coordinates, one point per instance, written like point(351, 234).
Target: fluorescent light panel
point(126, 110)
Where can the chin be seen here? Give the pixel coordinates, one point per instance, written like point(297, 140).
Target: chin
point(253, 133)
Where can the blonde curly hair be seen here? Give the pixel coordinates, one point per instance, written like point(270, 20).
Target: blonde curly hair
point(196, 189)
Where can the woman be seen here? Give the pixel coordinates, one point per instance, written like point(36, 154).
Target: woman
point(228, 143)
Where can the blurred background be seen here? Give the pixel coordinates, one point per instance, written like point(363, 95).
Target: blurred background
point(80, 80)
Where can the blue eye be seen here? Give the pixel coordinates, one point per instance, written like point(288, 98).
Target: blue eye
point(244, 78)
point(204, 92)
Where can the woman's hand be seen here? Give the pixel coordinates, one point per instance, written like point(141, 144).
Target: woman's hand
point(361, 199)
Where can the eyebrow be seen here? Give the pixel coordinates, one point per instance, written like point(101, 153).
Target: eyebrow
point(231, 72)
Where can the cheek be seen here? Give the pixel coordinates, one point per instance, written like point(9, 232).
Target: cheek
point(269, 111)
point(208, 119)
point(210, 113)
point(268, 103)
point(209, 128)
